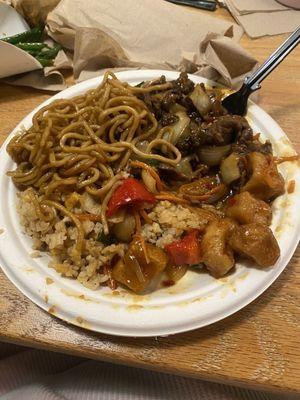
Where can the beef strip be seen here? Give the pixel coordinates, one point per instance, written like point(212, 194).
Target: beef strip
point(169, 99)
point(153, 104)
point(223, 130)
point(194, 115)
point(192, 141)
point(183, 84)
point(168, 119)
point(217, 109)
point(159, 81)
point(246, 147)
point(227, 129)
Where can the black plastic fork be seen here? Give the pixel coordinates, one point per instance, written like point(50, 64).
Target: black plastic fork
point(236, 103)
point(209, 5)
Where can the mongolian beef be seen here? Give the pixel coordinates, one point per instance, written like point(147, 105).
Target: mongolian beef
point(123, 185)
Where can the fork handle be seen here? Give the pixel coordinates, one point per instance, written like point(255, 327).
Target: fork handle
point(209, 5)
point(253, 82)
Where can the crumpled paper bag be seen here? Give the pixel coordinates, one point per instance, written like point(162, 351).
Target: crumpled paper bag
point(219, 58)
point(148, 31)
point(148, 34)
point(127, 34)
point(34, 11)
point(263, 17)
point(227, 58)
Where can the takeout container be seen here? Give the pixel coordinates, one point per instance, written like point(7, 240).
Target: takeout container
point(13, 60)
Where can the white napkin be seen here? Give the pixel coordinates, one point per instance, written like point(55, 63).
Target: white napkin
point(28, 374)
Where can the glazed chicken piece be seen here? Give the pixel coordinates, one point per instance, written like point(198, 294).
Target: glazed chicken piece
point(134, 270)
point(245, 209)
point(217, 255)
point(265, 183)
point(256, 242)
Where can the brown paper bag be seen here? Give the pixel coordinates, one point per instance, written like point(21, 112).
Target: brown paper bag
point(128, 34)
point(148, 34)
point(34, 11)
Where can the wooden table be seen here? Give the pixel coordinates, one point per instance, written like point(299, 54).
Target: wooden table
point(257, 347)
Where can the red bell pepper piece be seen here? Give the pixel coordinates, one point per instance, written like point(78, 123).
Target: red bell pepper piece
point(186, 251)
point(130, 193)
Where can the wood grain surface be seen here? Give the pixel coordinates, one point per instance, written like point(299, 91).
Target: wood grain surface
point(257, 347)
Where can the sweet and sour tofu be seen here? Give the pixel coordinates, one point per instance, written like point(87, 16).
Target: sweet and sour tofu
point(245, 209)
point(265, 182)
point(255, 241)
point(217, 255)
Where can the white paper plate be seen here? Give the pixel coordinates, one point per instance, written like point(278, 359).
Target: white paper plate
point(197, 300)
